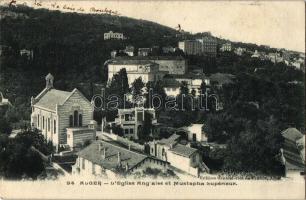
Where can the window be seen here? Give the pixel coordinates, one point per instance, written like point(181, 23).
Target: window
point(54, 126)
point(70, 120)
point(126, 117)
point(43, 122)
point(49, 124)
point(131, 131)
point(80, 119)
point(126, 131)
point(38, 120)
point(75, 118)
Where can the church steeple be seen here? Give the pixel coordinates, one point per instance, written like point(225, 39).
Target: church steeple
point(49, 81)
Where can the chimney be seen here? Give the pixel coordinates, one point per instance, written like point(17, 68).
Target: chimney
point(127, 167)
point(104, 153)
point(100, 147)
point(119, 158)
point(130, 147)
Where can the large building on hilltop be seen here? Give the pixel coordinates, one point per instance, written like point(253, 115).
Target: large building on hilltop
point(147, 70)
point(167, 64)
point(113, 36)
point(190, 47)
point(204, 46)
point(53, 111)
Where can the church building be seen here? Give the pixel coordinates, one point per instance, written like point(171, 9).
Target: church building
point(54, 111)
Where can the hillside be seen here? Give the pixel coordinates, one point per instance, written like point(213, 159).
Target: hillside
point(69, 45)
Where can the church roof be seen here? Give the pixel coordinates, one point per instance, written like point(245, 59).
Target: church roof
point(53, 97)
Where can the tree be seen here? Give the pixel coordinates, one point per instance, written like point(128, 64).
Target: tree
point(5, 126)
point(137, 87)
point(146, 130)
point(18, 160)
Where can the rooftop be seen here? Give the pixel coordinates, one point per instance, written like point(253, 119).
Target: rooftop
point(183, 150)
point(150, 58)
point(53, 97)
point(222, 78)
point(187, 76)
point(292, 134)
point(131, 62)
point(169, 141)
point(110, 162)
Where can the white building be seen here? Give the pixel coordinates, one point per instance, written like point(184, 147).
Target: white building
point(111, 35)
point(179, 156)
point(147, 70)
point(77, 136)
point(209, 45)
point(27, 53)
point(240, 51)
point(4, 101)
point(131, 120)
point(107, 160)
point(129, 50)
point(194, 81)
point(190, 47)
point(144, 51)
point(226, 47)
point(53, 111)
point(195, 133)
point(293, 153)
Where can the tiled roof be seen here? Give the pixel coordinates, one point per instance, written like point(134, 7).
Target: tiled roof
point(150, 58)
point(292, 134)
point(187, 76)
point(222, 78)
point(110, 162)
point(130, 62)
point(183, 150)
point(171, 140)
point(53, 97)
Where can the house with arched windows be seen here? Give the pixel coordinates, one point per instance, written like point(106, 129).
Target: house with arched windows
point(62, 116)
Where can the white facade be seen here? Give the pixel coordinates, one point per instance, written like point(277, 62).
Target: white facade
point(179, 156)
point(131, 120)
point(195, 133)
point(54, 110)
point(146, 70)
point(111, 35)
point(226, 47)
point(76, 137)
point(190, 47)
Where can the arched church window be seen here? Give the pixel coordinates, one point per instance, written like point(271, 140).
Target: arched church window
point(70, 121)
point(80, 120)
point(75, 118)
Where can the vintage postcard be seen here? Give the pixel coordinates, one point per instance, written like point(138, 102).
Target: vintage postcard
point(128, 99)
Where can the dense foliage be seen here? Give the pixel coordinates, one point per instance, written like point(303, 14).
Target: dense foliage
point(69, 45)
point(18, 159)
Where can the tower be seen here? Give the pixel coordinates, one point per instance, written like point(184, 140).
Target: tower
point(49, 81)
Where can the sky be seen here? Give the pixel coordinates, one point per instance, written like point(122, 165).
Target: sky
point(280, 24)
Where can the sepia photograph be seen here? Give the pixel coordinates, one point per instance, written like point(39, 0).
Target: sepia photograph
point(131, 99)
